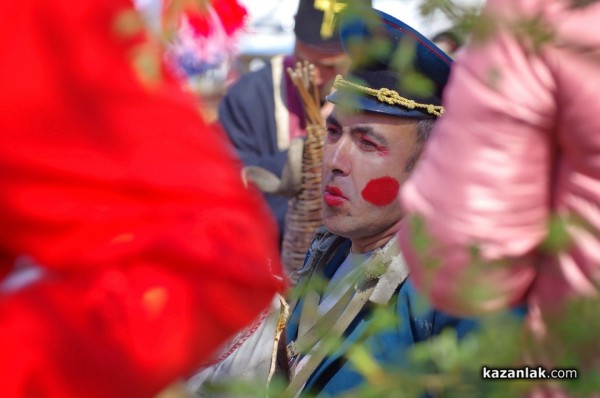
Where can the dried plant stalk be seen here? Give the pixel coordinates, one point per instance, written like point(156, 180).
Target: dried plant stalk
point(304, 211)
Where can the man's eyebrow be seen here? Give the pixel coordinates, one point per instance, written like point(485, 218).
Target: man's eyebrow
point(369, 131)
point(333, 121)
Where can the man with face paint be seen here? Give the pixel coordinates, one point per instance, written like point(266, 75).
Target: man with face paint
point(375, 135)
point(262, 112)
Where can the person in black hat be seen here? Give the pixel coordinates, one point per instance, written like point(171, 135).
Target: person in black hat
point(448, 40)
point(375, 134)
point(262, 113)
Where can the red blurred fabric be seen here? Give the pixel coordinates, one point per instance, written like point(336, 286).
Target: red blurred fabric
point(231, 14)
point(153, 251)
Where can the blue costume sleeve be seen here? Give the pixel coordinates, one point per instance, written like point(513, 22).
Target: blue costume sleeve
point(247, 113)
point(421, 321)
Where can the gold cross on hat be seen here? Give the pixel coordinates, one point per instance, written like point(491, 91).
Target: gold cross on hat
point(330, 9)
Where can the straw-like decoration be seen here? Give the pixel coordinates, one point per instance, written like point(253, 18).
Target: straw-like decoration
point(304, 212)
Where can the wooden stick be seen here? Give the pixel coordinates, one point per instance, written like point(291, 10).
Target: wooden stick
point(312, 113)
point(315, 90)
point(303, 79)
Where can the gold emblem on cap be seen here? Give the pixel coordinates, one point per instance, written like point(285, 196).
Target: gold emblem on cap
point(330, 9)
point(387, 96)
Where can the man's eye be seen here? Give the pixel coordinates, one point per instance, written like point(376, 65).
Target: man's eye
point(333, 134)
point(368, 144)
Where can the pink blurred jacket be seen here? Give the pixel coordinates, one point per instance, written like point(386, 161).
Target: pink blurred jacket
point(519, 142)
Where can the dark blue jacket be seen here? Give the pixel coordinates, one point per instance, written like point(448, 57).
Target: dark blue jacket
point(416, 323)
point(247, 114)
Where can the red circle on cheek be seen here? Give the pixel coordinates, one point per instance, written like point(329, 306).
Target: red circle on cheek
point(381, 191)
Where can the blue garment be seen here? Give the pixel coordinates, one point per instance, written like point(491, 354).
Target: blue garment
point(247, 114)
point(416, 324)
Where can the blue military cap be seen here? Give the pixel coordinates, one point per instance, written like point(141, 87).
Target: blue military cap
point(388, 58)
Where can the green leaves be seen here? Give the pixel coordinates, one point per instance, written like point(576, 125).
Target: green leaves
point(582, 3)
point(534, 31)
point(411, 81)
point(446, 366)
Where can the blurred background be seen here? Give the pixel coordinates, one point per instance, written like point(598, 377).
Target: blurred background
point(270, 25)
point(269, 31)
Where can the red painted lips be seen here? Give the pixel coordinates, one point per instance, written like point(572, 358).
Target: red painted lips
point(333, 196)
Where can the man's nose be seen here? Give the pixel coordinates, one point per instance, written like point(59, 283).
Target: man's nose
point(337, 155)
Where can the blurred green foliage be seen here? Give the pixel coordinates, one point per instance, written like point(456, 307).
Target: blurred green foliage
point(446, 366)
point(582, 3)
